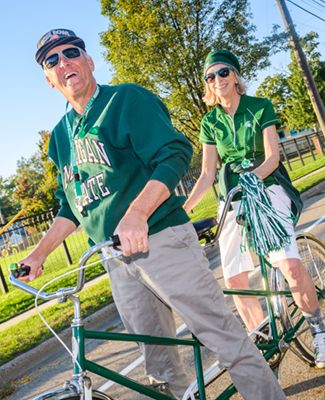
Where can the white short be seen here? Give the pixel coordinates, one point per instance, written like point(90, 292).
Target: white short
point(233, 260)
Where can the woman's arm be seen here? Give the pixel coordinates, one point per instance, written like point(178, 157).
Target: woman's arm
point(210, 159)
point(272, 154)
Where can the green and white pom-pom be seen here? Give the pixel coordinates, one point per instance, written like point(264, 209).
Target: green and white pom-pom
point(262, 227)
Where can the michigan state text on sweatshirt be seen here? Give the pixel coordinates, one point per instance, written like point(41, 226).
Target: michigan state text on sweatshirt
point(128, 140)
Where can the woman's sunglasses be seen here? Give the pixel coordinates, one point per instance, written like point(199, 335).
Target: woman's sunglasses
point(222, 72)
point(53, 59)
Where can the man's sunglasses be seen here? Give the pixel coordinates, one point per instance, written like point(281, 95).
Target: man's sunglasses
point(222, 72)
point(53, 59)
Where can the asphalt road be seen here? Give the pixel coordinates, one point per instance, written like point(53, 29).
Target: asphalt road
point(50, 364)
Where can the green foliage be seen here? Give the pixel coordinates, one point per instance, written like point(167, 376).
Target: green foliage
point(36, 179)
point(8, 205)
point(162, 45)
point(49, 184)
point(277, 89)
point(289, 93)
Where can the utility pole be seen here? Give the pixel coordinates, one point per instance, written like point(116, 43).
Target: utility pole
point(314, 95)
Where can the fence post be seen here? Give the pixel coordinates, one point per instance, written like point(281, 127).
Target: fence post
point(310, 148)
point(298, 151)
point(285, 156)
point(3, 283)
point(66, 252)
point(318, 143)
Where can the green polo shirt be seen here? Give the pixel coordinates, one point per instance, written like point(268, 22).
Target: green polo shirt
point(240, 136)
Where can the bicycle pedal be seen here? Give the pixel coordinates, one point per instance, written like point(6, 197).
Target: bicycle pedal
point(162, 387)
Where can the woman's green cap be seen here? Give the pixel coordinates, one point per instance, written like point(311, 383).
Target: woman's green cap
point(221, 57)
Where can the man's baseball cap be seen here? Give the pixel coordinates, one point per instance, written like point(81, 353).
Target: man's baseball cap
point(54, 38)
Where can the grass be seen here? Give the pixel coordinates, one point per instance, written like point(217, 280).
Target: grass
point(298, 170)
point(28, 333)
point(16, 301)
point(310, 181)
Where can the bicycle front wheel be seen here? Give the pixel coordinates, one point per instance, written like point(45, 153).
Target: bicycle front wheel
point(312, 253)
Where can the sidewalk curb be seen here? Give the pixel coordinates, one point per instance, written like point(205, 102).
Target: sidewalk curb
point(25, 362)
point(314, 191)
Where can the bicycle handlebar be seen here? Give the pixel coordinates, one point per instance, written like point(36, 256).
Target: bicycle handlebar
point(228, 200)
point(65, 292)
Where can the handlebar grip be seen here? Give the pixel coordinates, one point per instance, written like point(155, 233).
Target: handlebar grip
point(19, 271)
point(241, 220)
point(116, 241)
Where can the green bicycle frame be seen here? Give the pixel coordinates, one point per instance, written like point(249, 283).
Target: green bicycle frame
point(80, 335)
point(271, 348)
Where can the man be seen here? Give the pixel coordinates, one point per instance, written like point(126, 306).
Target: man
point(119, 160)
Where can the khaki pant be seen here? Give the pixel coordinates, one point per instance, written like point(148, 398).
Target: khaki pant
point(176, 274)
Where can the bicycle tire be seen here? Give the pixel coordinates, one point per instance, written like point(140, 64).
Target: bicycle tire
point(312, 253)
point(68, 394)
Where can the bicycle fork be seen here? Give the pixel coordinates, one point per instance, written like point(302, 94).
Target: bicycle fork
point(80, 380)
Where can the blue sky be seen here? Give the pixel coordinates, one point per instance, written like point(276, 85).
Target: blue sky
point(28, 105)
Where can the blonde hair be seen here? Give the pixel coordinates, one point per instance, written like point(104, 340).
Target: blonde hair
point(212, 100)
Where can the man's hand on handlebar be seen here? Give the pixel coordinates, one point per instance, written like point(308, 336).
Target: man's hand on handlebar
point(35, 267)
point(133, 233)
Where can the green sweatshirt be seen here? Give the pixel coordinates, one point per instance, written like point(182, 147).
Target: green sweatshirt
point(129, 139)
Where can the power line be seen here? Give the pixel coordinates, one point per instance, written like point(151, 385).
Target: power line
point(315, 7)
point(322, 4)
point(299, 23)
point(306, 10)
point(322, 1)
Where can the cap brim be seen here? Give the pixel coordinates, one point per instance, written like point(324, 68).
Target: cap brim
point(41, 52)
point(221, 62)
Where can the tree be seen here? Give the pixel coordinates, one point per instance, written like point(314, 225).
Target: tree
point(49, 184)
point(289, 93)
point(36, 179)
point(299, 110)
point(276, 88)
point(162, 45)
point(8, 204)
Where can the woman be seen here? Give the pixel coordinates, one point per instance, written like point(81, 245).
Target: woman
point(241, 132)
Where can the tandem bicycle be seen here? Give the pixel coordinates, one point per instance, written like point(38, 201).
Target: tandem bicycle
point(284, 327)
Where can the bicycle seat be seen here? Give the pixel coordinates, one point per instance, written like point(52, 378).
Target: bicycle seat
point(204, 225)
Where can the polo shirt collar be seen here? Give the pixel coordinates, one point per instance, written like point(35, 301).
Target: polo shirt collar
point(241, 106)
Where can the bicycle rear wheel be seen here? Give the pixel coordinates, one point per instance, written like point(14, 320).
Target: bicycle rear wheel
point(312, 253)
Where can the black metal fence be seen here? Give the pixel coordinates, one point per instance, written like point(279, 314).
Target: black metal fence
point(23, 235)
point(300, 146)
